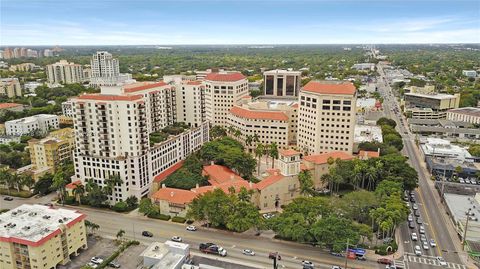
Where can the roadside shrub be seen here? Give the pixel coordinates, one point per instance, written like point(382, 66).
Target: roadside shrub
point(156, 215)
point(70, 200)
point(120, 207)
point(21, 194)
point(179, 219)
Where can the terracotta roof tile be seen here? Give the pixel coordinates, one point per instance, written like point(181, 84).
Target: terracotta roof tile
point(225, 77)
point(368, 154)
point(176, 196)
point(288, 152)
point(73, 185)
point(323, 158)
point(106, 97)
point(272, 179)
point(9, 105)
point(143, 86)
point(219, 174)
point(237, 184)
point(329, 87)
point(195, 82)
point(163, 175)
point(258, 115)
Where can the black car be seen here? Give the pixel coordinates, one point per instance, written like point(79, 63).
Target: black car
point(416, 213)
point(147, 234)
point(8, 198)
point(411, 225)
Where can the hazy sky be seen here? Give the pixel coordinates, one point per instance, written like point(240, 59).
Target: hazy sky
point(129, 22)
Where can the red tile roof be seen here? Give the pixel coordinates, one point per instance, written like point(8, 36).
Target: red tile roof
point(9, 105)
point(106, 97)
point(163, 175)
point(323, 87)
point(236, 184)
point(368, 154)
point(143, 86)
point(323, 158)
point(304, 167)
point(258, 115)
point(272, 179)
point(288, 152)
point(225, 77)
point(176, 196)
point(219, 174)
point(196, 82)
point(73, 185)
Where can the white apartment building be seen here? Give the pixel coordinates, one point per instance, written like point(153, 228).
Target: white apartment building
point(105, 70)
point(465, 114)
point(10, 87)
point(41, 123)
point(67, 108)
point(112, 136)
point(282, 83)
point(326, 118)
point(63, 72)
point(222, 92)
point(191, 103)
point(272, 121)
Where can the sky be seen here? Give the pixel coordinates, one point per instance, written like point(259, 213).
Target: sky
point(178, 22)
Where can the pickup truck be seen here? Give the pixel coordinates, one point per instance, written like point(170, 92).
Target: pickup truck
point(213, 249)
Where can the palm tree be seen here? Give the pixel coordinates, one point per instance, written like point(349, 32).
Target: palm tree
point(16, 180)
point(266, 152)
point(248, 140)
point(111, 182)
point(78, 192)
point(59, 184)
point(120, 235)
point(28, 181)
point(7, 180)
point(90, 185)
point(256, 138)
point(273, 153)
point(237, 133)
point(259, 154)
point(231, 129)
point(306, 182)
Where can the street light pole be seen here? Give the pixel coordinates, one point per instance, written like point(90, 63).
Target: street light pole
point(346, 254)
point(465, 231)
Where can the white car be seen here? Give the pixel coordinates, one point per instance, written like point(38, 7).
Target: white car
point(414, 237)
point(308, 264)
point(176, 239)
point(418, 250)
point(415, 206)
point(248, 252)
point(191, 228)
point(96, 260)
point(433, 244)
point(425, 246)
point(441, 261)
point(422, 229)
point(92, 265)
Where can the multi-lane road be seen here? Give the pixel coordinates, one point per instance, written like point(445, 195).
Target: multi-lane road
point(431, 210)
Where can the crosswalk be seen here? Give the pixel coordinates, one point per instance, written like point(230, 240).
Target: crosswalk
point(432, 261)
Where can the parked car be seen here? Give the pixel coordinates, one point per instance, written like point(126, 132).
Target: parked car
point(336, 254)
point(411, 225)
point(414, 237)
point(418, 250)
point(415, 207)
point(248, 252)
point(147, 234)
point(441, 261)
point(176, 239)
point(461, 180)
point(308, 265)
point(191, 228)
point(433, 243)
point(467, 181)
point(361, 258)
point(96, 260)
point(272, 255)
point(473, 181)
point(384, 261)
point(425, 245)
point(423, 238)
point(416, 213)
point(419, 220)
point(410, 217)
point(8, 198)
point(422, 229)
point(268, 215)
point(92, 265)
point(114, 264)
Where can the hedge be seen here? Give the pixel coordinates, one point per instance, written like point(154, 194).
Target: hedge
point(179, 219)
point(159, 216)
point(15, 193)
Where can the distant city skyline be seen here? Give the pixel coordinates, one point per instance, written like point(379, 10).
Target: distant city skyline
point(147, 22)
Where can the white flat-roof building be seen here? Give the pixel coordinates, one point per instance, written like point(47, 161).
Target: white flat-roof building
point(364, 66)
point(67, 108)
point(367, 133)
point(168, 255)
point(469, 73)
point(444, 149)
point(465, 114)
point(458, 205)
point(282, 83)
point(41, 123)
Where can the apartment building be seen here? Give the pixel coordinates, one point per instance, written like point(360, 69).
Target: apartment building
point(190, 102)
point(67, 108)
point(53, 150)
point(272, 121)
point(40, 237)
point(10, 87)
point(63, 72)
point(222, 92)
point(24, 67)
point(105, 70)
point(465, 114)
point(41, 123)
point(326, 117)
point(281, 83)
point(112, 136)
point(430, 106)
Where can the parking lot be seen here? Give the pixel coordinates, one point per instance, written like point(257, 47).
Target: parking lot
point(99, 247)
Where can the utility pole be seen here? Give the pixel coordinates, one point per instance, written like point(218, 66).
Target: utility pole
point(346, 254)
point(466, 229)
point(275, 265)
point(133, 226)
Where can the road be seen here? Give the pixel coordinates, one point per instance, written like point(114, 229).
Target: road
point(292, 253)
point(431, 211)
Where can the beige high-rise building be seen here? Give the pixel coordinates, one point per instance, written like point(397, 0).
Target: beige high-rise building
point(40, 237)
point(326, 118)
point(281, 83)
point(10, 87)
point(191, 102)
point(51, 151)
point(24, 67)
point(222, 92)
point(63, 72)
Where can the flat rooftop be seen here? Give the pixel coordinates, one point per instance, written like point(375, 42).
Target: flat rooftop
point(33, 118)
point(472, 111)
point(458, 206)
point(34, 224)
point(431, 96)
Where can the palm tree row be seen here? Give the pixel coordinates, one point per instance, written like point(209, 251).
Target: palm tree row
point(269, 150)
point(15, 181)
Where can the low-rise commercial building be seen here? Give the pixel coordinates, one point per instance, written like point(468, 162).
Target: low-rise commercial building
point(465, 114)
point(430, 106)
point(440, 148)
point(37, 236)
point(10, 87)
point(427, 89)
point(446, 129)
point(366, 133)
point(461, 207)
point(53, 150)
point(168, 255)
point(41, 123)
point(364, 66)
